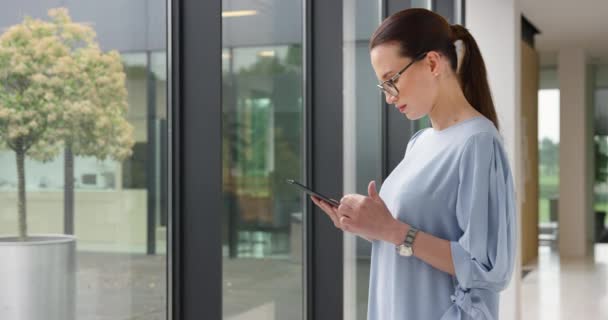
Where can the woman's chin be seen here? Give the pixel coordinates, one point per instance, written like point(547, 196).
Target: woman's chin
point(411, 116)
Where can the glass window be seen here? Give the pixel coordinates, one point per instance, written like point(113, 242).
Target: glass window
point(600, 98)
point(262, 147)
point(94, 117)
point(548, 149)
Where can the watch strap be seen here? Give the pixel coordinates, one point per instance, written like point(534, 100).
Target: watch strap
point(410, 237)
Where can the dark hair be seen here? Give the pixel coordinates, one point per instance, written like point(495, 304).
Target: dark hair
point(420, 30)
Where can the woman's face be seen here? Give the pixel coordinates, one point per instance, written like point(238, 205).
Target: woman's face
point(418, 85)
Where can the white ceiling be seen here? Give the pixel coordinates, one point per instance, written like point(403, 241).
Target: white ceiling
point(568, 23)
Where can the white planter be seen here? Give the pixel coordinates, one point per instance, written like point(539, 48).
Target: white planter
point(38, 278)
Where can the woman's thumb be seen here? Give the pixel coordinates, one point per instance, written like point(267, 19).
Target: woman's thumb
point(371, 190)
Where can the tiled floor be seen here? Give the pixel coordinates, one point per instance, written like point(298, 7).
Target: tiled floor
point(567, 289)
point(118, 286)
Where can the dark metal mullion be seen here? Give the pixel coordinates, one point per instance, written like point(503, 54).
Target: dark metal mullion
point(445, 8)
point(151, 172)
point(308, 218)
point(175, 254)
point(384, 166)
point(196, 203)
point(174, 305)
point(396, 129)
point(463, 6)
point(325, 153)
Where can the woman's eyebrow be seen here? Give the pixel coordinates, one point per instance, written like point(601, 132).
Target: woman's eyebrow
point(386, 74)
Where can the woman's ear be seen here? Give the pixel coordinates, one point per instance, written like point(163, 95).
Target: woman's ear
point(433, 61)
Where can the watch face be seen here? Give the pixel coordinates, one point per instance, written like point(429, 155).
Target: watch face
point(405, 251)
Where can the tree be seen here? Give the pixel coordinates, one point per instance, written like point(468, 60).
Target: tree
point(58, 90)
point(95, 96)
point(29, 103)
point(549, 156)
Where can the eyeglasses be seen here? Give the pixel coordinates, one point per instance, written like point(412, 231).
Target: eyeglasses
point(388, 86)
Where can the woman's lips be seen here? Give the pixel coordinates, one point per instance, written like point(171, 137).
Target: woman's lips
point(402, 107)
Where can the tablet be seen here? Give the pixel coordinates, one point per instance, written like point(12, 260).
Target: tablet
point(316, 194)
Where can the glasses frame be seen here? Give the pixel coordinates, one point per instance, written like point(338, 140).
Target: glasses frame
point(390, 83)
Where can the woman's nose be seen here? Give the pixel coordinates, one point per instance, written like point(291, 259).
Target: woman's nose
point(390, 99)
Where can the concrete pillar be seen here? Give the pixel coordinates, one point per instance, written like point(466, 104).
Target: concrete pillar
point(496, 26)
point(575, 150)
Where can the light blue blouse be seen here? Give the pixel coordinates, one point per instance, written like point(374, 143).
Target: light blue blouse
point(455, 184)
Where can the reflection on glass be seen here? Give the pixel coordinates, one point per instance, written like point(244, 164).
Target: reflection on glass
point(262, 147)
point(548, 154)
point(601, 152)
point(601, 187)
point(363, 104)
point(105, 180)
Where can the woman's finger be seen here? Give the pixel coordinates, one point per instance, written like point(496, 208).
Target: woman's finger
point(345, 210)
point(334, 210)
point(346, 223)
point(352, 200)
point(319, 202)
point(325, 203)
point(328, 209)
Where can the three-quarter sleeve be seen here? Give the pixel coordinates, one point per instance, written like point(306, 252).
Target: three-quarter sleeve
point(484, 254)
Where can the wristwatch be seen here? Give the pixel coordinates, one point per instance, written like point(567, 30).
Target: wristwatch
point(406, 249)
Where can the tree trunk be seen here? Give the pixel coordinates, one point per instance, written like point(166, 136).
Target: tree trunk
point(21, 191)
point(68, 190)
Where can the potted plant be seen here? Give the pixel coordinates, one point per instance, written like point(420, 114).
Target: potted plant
point(57, 90)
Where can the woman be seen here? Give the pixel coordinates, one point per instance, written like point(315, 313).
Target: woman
point(443, 226)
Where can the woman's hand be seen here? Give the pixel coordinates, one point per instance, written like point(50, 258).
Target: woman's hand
point(330, 210)
point(369, 217)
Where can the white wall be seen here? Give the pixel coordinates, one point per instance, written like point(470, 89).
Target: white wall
point(575, 155)
point(495, 24)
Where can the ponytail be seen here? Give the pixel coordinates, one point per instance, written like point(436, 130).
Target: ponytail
point(472, 73)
